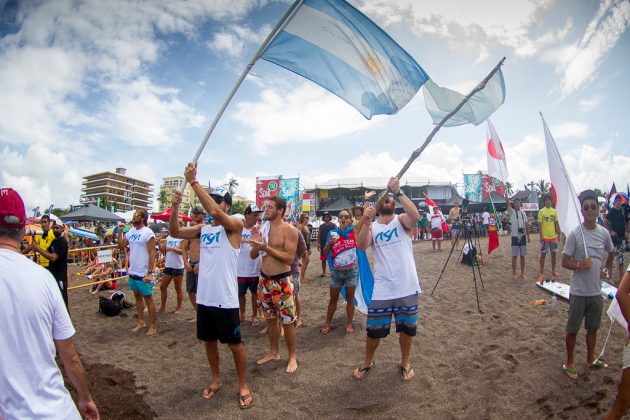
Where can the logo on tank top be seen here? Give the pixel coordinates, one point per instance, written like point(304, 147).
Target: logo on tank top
point(246, 235)
point(135, 237)
point(386, 235)
point(171, 243)
point(210, 238)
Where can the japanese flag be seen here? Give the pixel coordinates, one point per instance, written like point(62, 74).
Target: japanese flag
point(497, 165)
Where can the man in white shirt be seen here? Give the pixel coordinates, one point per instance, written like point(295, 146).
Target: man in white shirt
point(486, 222)
point(396, 286)
point(35, 326)
point(141, 242)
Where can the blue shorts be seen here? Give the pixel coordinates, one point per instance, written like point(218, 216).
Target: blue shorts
point(405, 311)
point(548, 246)
point(137, 284)
point(344, 278)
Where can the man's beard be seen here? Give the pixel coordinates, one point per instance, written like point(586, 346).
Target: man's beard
point(386, 211)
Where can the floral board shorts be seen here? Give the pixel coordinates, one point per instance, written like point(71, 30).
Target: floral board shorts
point(275, 297)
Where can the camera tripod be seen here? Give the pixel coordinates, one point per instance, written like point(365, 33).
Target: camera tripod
point(471, 239)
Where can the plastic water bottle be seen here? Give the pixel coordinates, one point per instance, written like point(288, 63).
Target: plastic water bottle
point(554, 302)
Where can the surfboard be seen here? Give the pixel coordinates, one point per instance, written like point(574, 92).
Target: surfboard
point(562, 290)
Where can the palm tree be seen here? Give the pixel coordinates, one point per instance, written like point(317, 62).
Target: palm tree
point(509, 187)
point(599, 192)
point(232, 184)
point(531, 185)
point(162, 199)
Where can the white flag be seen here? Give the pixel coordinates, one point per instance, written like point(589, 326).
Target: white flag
point(564, 196)
point(497, 164)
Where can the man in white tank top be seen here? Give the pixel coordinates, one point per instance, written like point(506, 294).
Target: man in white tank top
point(248, 269)
point(396, 286)
point(217, 289)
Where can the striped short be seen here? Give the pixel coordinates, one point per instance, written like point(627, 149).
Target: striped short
point(405, 311)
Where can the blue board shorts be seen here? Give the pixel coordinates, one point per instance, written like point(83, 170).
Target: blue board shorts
point(405, 313)
point(137, 284)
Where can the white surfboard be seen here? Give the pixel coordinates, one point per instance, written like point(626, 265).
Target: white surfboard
point(562, 290)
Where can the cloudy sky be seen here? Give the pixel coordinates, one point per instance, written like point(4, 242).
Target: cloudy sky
point(89, 86)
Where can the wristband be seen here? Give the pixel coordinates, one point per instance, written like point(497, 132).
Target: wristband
point(192, 184)
point(399, 193)
point(577, 267)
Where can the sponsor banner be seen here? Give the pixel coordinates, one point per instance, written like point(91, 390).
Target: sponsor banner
point(266, 188)
point(308, 201)
point(472, 187)
point(290, 191)
point(490, 184)
point(529, 206)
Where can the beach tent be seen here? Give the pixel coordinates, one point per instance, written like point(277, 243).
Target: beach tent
point(91, 214)
point(127, 215)
point(334, 209)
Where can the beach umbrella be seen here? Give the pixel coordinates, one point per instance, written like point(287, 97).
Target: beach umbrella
point(84, 233)
point(165, 216)
point(114, 230)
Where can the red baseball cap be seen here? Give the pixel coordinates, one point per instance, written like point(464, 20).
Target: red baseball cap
point(12, 210)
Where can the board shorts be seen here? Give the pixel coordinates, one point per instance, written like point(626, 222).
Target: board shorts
point(173, 272)
point(295, 279)
point(223, 324)
point(275, 297)
point(436, 234)
point(137, 284)
point(625, 359)
point(548, 245)
point(589, 308)
point(245, 283)
point(344, 278)
point(619, 248)
point(455, 229)
point(519, 246)
point(405, 311)
point(192, 278)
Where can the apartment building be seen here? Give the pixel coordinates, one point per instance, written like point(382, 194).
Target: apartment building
point(116, 191)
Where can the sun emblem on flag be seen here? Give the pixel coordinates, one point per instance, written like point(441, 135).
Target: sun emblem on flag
point(373, 65)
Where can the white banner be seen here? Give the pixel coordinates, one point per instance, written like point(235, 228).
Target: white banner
point(104, 256)
point(529, 207)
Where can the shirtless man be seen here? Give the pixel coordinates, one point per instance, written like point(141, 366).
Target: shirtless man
point(217, 291)
point(277, 243)
point(190, 254)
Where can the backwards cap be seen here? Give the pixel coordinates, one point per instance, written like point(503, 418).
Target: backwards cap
point(12, 210)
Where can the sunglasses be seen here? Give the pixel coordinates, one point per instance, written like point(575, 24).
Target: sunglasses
point(344, 216)
point(217, 199)
point(591, 207)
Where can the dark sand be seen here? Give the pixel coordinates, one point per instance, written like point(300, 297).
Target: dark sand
point(504, 361)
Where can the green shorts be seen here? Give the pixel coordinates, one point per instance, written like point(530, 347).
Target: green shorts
point(589, 308)
point(137, 284)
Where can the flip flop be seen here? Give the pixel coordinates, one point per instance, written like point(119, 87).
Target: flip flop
point(242, 399)
point(209, 393)
point(598, 364)
point(349, 330)
point(362, 372)
point(326, 329)
point(406, 372)
point(571, 373)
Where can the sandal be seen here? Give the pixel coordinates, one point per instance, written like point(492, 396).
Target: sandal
point(598, 364)
point(349, 330)
point(406, 374)
point(209, 393)
point(326, 329)
point(361, 372)
point(571, 373)
point(242, 399)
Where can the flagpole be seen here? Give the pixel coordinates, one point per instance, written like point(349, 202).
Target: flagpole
point(566, 174)
point(419, 150)
point(283, 22)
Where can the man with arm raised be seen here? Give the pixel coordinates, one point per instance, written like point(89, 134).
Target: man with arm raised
point(277, 243)
point(396, 286)
point(217, 289)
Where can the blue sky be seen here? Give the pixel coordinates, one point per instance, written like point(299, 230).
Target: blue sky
point(89, 86)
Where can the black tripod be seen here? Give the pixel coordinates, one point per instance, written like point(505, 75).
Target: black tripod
point(469, 229)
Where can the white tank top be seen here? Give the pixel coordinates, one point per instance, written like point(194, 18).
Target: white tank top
point(217, 284)
point(246, 266)
point(395, 274)
point(173, 259)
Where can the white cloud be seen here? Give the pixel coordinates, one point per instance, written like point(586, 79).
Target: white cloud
point(306, 113)
point(569, 130)
point(578, 63)
point(233, 39)
point(586, 105)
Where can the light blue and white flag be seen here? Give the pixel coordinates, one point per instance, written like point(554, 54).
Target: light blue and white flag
point(442, 101)
point(336, 46)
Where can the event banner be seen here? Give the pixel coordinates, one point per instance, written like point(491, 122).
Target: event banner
point(290, 191)
point(266, 188)
point(472, 187)
point(490, 184)
point(308, 201)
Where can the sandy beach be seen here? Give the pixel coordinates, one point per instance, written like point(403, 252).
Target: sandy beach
point(504, 361)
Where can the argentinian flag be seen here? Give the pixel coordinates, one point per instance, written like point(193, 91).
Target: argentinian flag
point(336, 46)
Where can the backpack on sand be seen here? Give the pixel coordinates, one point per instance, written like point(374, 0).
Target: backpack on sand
point(112, 305)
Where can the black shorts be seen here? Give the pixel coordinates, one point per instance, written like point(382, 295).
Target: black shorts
point(218, 324)
point(174, 272)
point(245, 283)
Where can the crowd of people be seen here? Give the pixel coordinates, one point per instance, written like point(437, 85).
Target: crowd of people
point(267, 256)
